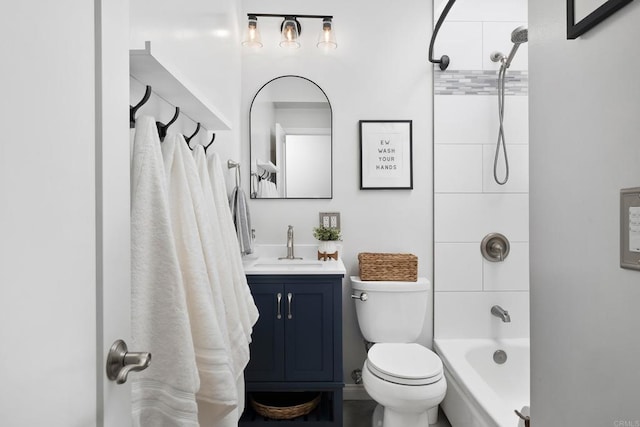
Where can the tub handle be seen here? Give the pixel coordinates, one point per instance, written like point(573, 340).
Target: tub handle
point(362, 297)
point(526, 418)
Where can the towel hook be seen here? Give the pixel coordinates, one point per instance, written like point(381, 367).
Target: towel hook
point(213, 137)
point(187, 139)
point(133, 110)
point(162, 128)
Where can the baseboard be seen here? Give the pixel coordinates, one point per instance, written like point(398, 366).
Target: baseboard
point(355, 392)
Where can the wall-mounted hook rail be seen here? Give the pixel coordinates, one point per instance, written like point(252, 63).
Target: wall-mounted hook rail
point(133, 110)
point(187, 139)
point(444, 59)
point(213, 138)
point(162, 128)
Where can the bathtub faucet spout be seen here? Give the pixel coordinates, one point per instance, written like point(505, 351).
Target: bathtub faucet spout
point(501, 313)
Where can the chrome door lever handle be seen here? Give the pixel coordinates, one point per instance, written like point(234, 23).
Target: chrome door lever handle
point(362, 297)
point(121, 361)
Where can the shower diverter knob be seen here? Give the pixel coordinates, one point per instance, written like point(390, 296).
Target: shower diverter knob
point(495, 247)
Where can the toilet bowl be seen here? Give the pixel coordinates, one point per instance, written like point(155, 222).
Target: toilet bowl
point(405, 378)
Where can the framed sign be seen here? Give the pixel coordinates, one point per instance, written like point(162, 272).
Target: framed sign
point(386, 158)
point(583, 15)
point(630, 228)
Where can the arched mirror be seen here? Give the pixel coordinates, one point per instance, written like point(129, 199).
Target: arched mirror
point(291, 141)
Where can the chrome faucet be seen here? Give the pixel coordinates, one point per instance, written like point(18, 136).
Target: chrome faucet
point(290, 254)
point(501, 313)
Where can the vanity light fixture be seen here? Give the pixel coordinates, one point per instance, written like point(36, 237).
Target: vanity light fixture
point(290, 29)
point(327, 37)
point(252, 36)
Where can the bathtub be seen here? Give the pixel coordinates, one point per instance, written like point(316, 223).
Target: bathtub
point(480, 392)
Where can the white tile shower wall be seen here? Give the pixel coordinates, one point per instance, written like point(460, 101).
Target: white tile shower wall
point(518, 156)
point(469, 217)
point(484, 11)
point(458, 267)
point(473, 119)
point(458, 168)
point(510, 275)
point(468, 203)
point(462, 43)
point(470, 313)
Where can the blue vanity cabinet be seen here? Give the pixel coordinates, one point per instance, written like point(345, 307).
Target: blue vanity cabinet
point(297, 343)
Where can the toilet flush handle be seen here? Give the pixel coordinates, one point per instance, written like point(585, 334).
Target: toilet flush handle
point(362, 297)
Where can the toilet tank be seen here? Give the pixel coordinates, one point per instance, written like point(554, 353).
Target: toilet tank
point(393, 312)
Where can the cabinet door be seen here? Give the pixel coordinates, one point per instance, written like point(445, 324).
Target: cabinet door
point(267, 340)
point(309, 332)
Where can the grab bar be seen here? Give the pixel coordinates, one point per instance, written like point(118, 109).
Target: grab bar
point(444, 59)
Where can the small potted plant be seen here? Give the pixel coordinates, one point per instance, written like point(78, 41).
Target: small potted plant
point(327, 237)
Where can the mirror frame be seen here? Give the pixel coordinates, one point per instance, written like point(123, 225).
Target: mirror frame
point(250, 142)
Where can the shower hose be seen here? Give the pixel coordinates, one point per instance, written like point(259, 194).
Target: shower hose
point(501, 141)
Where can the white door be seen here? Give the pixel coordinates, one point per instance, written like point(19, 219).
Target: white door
point(64, 225)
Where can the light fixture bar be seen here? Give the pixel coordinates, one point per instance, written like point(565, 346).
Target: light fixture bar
point(290, 30)
point(293, 15)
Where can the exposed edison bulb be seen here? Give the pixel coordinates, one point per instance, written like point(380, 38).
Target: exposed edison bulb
point(290, 33)
point(327, 37)
point(252, 36)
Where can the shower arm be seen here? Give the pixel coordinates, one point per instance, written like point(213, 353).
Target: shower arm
point(444, 59)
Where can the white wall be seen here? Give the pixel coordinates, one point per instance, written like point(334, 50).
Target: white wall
point(200, 42)
point(468, 203)
point(374, 74)
point(584, 109)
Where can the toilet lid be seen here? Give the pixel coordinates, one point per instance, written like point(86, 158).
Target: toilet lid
point(410, 363)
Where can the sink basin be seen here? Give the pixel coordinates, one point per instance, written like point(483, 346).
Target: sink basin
point(289, 263)
point(293, 266)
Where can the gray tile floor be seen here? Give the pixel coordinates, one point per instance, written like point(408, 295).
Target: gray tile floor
point(357, 413)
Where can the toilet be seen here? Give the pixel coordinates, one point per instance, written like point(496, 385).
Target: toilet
point(404, 377)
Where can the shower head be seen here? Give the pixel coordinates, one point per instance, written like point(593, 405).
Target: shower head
point(518, 36)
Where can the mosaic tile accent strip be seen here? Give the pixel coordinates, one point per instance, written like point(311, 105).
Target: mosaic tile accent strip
point(479, 82)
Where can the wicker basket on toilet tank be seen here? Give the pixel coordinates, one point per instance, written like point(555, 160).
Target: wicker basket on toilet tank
point(388, 267)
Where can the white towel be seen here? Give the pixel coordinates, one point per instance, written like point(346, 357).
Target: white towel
point(267, 190)
point(273, 190)
point(164, 393)
point(231, 420)
point(243, 293)
point(220, 260)
point(206, 308)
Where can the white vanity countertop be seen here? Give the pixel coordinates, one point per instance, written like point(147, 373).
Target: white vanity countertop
point(265, 262)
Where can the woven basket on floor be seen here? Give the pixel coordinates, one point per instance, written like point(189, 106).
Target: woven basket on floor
point(396, 267)
point(278, 412)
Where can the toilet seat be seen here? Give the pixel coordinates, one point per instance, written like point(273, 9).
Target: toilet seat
point(404, 363)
